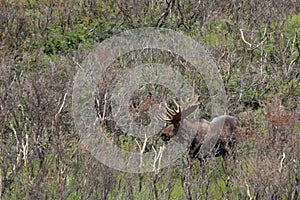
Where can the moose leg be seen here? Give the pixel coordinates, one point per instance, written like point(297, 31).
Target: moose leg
point(185, 178)
point(226, 149)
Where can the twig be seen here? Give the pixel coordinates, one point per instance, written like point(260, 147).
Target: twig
point(243, 38)
point(259, 44)
point(142, 149)
point(158, 157)
point(252, 46)
point(61, 107)
point(281, 162)
point(163, 16)
point(101, 117)
point(77, 63)
point(248, 191)
point(25, 146)
point(18, 142)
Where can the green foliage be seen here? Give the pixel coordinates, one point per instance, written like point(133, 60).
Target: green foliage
point(41, 42)
point(292, 26)
point(65, 41)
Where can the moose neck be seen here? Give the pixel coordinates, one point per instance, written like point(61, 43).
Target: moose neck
point(191, 128)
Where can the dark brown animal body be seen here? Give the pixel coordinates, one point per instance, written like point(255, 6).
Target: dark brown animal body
point(215, 138)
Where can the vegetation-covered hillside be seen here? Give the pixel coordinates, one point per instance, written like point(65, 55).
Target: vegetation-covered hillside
point(255, 44)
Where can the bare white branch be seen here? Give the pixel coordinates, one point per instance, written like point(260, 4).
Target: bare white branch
point(281, 162)
point(248, 191)
point(157, 158)
point(243, 38)
point(61, 107)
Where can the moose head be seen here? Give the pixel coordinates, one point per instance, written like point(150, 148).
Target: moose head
point(215, 138)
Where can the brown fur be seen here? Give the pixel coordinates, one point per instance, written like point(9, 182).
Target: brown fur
point(203, 141)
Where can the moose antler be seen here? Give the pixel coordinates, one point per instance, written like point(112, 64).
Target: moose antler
point(189, 106)
point(174, 116)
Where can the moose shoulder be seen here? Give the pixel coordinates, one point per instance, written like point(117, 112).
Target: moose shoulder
point(206, 138)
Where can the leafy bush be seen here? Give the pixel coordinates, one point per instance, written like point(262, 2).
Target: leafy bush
point(255, 44)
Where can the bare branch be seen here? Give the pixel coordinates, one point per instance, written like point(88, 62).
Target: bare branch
point(243, 38)
point(281, 162)
point(61, 107)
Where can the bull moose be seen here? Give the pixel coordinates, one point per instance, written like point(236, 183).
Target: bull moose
point(214, 138)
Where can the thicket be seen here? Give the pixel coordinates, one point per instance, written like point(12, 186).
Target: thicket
point(255, 43)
